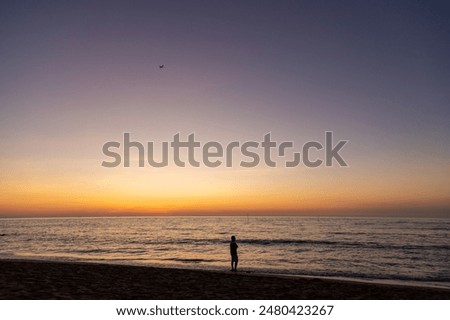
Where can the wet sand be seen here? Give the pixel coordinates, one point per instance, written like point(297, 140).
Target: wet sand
point(26, 279)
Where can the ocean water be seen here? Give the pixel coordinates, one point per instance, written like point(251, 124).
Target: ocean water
point(398, 249)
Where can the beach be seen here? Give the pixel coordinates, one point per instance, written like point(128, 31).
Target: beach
point(28, 279)
point(351, 248)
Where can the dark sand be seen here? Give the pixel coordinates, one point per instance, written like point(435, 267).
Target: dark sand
point(63, 280)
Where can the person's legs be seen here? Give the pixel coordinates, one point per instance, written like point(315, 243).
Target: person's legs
point(234, 263)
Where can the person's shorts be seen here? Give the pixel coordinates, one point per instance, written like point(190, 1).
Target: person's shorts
point(234, 257)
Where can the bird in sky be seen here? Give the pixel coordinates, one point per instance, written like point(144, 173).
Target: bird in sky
point(161, 66)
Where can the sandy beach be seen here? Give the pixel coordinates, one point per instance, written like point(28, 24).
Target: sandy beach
point(27, 279)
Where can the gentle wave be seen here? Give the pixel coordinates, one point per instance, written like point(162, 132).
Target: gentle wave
point(400, 249)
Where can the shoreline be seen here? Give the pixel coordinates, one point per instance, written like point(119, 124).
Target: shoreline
point(43, 279)
point(394, 282)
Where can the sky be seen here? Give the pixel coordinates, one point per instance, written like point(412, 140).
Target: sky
point(77, 74)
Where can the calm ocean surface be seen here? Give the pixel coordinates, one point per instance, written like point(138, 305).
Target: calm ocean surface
point(399, 249)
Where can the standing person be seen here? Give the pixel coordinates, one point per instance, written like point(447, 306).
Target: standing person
point(233, 253)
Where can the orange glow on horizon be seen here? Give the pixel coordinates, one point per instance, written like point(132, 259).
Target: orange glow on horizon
point(205, 191)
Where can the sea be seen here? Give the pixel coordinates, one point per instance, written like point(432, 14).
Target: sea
point(399, 250)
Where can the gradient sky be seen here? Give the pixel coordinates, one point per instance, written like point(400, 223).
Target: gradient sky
point(74, 75)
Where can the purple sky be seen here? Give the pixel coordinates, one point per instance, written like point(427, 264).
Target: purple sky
point(77, 74)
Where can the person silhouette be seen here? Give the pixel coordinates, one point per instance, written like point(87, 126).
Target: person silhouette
point(233, 253)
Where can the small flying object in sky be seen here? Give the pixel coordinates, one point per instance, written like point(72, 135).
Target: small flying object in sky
point(161, 66)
